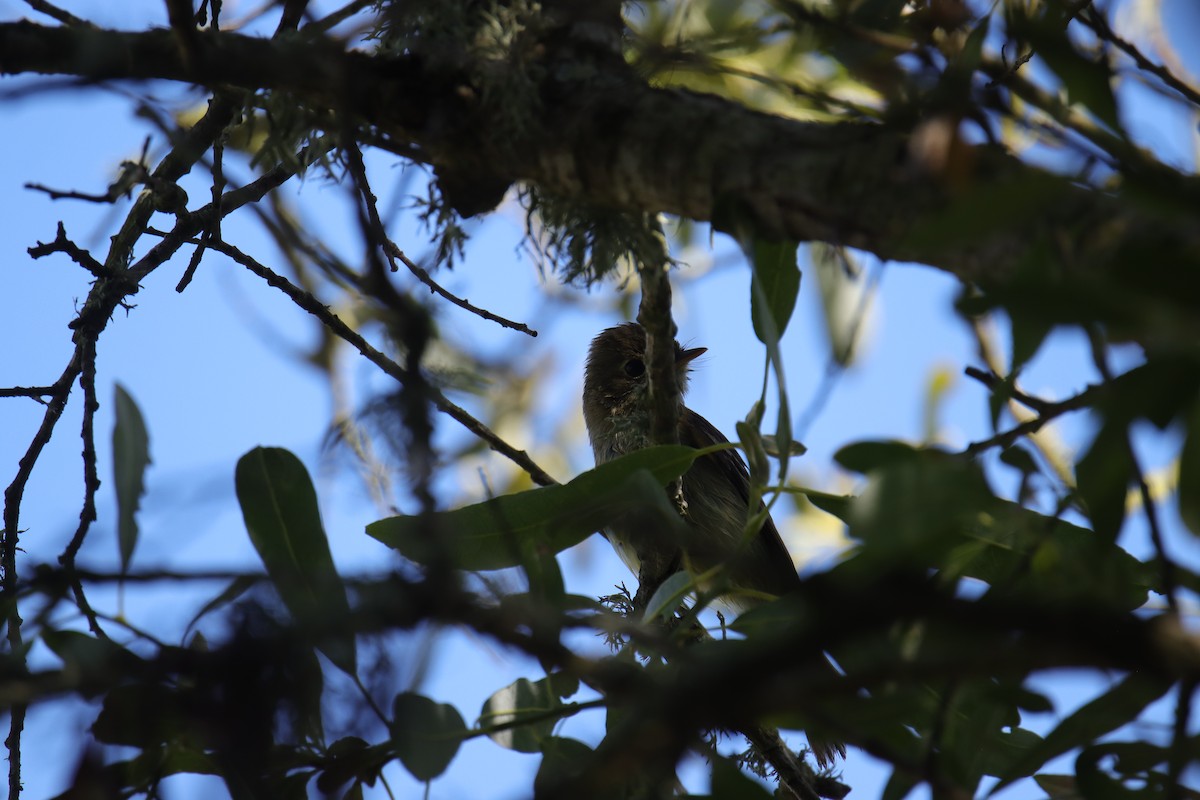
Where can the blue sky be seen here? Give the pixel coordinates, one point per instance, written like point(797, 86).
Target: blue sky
point(207, 370)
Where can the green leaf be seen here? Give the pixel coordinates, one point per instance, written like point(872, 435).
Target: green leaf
point(842, 284)
point(836, 504)
point(426, 734)
point(775, 286)
point(917, 511)
point(1119, 706)
point(351, 758)
point(97, 660)
point(1021, 552)
point(773, 289)
point(492, 535)
point(1087, 79)
point(140, 715)
point(1189, 473)
point(131, 456)
point(527, 710)
point(279, 506)
point(1103, 476)
point(236, 588)
point(562, 760)
point(668, 596)
point(863, 457)
point(1058, 787)
point(1029, 331)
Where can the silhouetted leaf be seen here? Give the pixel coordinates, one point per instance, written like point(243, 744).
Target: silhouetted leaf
point(730, 783)
point(131, 456)
point(1119, 706)
point(1087, 78)
point(94, 660)
point(1189, 473)
point(562, 760)
point(863, 457)
point(236, 588)
point(426, 734)
point(1104, 474)
point(140, 715)
point(280, 509)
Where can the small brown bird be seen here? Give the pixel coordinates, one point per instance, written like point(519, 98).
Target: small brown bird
point(716, 489)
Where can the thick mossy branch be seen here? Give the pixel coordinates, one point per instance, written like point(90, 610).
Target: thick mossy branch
point(603, 134)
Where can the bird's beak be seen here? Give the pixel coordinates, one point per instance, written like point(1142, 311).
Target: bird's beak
point(687, 356)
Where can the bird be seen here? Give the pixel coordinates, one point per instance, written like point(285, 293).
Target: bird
point(715, 489)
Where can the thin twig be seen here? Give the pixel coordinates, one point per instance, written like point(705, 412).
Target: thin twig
point(411, 324)
point(36, 392)
point(213, 231)
point(313, 306)
point(1099, 25)
point(337, 17)
point(995, 362)
point(13, 496)
point(91, 478)
point(422, 274)
point(54, 12)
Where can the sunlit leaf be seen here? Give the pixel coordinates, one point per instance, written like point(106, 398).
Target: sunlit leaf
point(522, 715)
point(668, 596)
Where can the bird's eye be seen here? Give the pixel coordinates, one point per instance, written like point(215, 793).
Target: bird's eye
point(634, 368)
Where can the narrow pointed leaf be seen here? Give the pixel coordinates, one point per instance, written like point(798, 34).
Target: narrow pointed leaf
point(131, 456)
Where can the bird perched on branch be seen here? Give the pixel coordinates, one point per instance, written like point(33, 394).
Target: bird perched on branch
point(715, 490)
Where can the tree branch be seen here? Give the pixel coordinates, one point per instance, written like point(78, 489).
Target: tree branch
point(603, 134)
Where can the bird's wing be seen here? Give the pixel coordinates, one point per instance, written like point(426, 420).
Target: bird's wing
point(730, 463)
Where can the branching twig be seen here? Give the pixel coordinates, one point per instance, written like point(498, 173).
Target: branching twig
point(410, 323)
point(319, 310)
point(62, 244)
point(1047, 410)
point(1030, 427)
